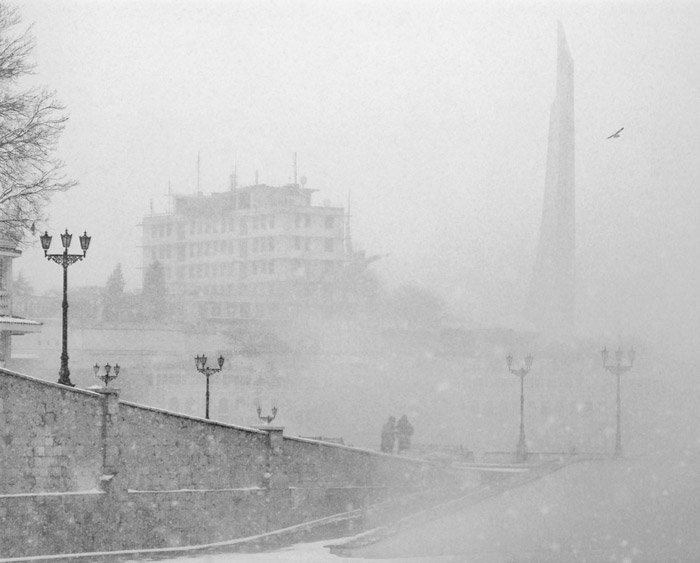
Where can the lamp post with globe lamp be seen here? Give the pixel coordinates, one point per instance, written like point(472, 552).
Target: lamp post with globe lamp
point(521, 449)
point(64, 259)
point(617, 369)
point(201, 364)
point(107, 377)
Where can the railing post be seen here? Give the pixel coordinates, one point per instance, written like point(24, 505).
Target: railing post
point(113, 479)
point(275, 476)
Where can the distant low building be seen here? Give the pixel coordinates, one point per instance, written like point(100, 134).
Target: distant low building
point(9, 324)
point(252, 252)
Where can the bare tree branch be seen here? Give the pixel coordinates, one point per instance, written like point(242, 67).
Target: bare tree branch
point(31, 123)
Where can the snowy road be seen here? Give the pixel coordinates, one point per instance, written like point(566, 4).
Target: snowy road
point(628, 511)
point(625, 511)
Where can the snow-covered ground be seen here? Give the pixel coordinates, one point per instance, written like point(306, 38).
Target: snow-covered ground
point(627, 511)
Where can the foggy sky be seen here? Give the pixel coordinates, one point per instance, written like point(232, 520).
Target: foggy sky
point(432, 115)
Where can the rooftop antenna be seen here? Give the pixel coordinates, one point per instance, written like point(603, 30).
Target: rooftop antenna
point(295, 168)
point(170, 198)
point(256, 177)
point(234, 177)
point(199, 189)
point(151, 202)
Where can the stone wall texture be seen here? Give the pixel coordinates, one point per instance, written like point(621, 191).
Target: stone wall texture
point(48, 437)
point(81, 471)
point(188, 453)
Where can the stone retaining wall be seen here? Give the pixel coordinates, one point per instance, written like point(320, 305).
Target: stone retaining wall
point(82, 471)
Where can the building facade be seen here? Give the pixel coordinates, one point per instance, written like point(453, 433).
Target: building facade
point(9, 324)
point(251, 252)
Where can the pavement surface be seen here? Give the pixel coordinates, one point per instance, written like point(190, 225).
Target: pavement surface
point(644, 510)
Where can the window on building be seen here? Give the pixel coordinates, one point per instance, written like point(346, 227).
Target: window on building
point(192, 227)
point(168, 230)
point(271, 244)
point(297, 243)
point(307, 221)
point(307, 244)
point(263, 221)
point(329, 245)
point(271, 267)
point(297, 220)
point(254, 268)
point(272, 221)
point(329, 221)
point(244, 226)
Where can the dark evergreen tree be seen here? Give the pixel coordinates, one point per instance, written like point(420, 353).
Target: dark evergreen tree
point(113, 300)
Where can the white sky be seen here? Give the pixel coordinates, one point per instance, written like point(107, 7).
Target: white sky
point(432, 114)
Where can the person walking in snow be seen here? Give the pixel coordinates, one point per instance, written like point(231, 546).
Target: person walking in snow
point(404, 431)
point(388, 436)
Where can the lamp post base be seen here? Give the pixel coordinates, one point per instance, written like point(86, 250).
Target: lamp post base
point(521, 451)
point(64, 377)
point(618, 451)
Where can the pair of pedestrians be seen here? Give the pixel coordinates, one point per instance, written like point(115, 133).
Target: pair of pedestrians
point(396, 433)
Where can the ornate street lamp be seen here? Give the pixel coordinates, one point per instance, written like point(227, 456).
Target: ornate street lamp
point(521, 449)
point(64, 259)
point(617, 369)
point(106, 377)
point(201, 363)
point(268, 418)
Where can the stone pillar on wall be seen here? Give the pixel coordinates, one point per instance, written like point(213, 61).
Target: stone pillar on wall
point(113, 479)
point(275, 477)
point(276, 481)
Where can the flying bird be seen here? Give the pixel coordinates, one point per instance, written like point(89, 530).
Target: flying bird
point(616, 134)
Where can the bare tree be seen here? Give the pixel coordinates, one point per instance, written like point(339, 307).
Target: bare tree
point(31, 122)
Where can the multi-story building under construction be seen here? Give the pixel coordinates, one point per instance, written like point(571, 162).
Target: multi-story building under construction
point(250, 252)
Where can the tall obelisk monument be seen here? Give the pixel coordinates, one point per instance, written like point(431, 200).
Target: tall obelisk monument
point(552, 294)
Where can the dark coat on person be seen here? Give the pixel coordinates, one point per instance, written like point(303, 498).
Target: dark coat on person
point(404, 431)
point(388, 435)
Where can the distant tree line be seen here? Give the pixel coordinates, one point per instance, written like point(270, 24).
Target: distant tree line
point(109, 304)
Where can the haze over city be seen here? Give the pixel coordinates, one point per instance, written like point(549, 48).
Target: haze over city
point(499, 187)
point(431, 117)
